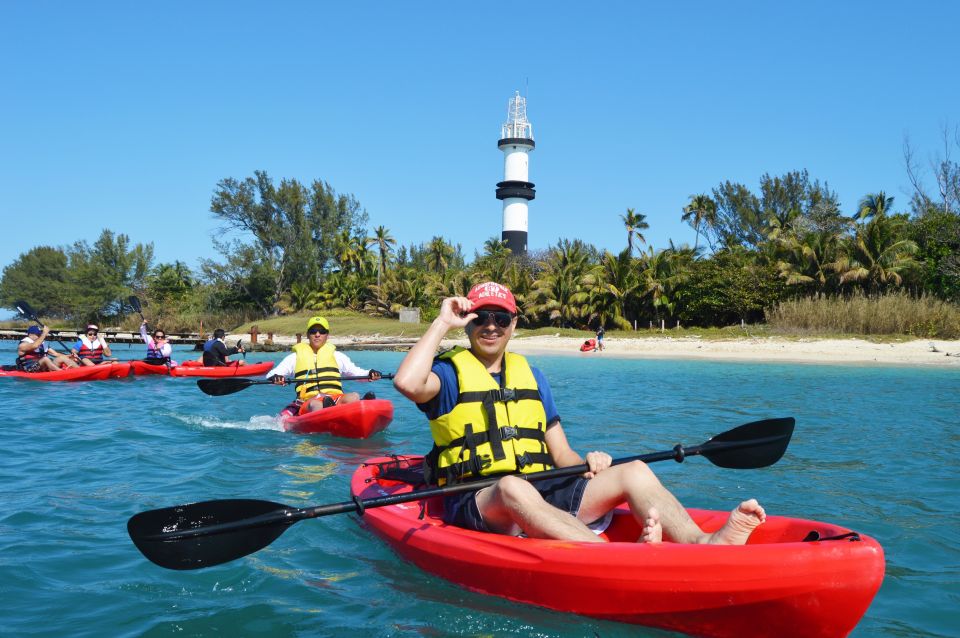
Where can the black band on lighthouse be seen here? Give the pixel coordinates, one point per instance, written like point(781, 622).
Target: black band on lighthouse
point(511, 188)
point(516, 241)
point(516, 141)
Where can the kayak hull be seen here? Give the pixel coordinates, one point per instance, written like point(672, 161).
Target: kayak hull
point(249, 370)
point(775, 585)
point(80, 373)
point(142, 368)
point(357, 420)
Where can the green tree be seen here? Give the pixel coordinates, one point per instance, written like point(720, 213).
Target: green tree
point(937, 235)
point(880, 254)
point(384, 242)
point(101, 277)
point(39, 277)
point(634, 222)
point(439, 255)
point(699, 212)
point(873, 205)
point(293, 228)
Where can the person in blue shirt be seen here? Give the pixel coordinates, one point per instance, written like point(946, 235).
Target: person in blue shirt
point(453, 391)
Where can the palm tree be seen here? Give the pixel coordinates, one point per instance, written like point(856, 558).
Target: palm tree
point(879, 255)
point(874, 205)
point(384, 243)
point(634, 222)
point(701, 210)
point(559, 292)
point(612, 284)
point(809, 260)
point(438, 255)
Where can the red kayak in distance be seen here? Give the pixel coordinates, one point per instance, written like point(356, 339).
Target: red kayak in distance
point(142, 368)
point(196, 369)
point(116, 370)
point(777, 585)
point(357, 420)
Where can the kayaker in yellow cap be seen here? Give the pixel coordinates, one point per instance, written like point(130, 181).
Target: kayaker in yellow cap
point(492, 413)
point(316, 368)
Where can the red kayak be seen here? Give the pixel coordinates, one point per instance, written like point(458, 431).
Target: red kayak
point(589, 345)
point(356, 420)
point(777, 585)
point(195, 369)
point(80, 373)
point(142, 368)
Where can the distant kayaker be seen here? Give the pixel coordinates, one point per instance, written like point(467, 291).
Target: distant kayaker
point(215, 351)
point(316, 367)
point(90, 348)
point(34, 355)
point(491, 414)
point(159, 349)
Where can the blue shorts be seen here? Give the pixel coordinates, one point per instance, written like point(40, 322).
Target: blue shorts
point(564, 493)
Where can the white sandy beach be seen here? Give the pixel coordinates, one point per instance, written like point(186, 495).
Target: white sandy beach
point(919, 352)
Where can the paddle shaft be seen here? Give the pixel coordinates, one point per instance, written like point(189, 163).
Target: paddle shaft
point(289, 516)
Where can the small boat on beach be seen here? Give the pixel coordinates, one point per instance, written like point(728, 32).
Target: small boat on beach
point(357, 420)
point(793, 578)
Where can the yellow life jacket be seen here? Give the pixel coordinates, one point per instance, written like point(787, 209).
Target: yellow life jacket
point(493, 429)
point(316, 372)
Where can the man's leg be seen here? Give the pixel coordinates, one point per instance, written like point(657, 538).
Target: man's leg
point(349, 397)
point(514, 505)
point(649, 500)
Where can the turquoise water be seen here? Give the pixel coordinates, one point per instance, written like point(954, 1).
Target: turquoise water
point(875, 450)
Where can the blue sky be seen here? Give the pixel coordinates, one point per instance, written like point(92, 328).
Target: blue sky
point(126, 115)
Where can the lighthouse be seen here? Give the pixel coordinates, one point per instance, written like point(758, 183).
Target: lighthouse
point(516, 141)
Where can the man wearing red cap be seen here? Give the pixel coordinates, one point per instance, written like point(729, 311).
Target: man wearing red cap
point(492, 414)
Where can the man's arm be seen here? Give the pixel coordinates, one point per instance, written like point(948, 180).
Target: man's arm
point(564, 456)
point(414, 378)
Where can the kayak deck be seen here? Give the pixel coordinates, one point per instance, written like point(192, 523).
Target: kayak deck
point(357, 420)
point(776, 585)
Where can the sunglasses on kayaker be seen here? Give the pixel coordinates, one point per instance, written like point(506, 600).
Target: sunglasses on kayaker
point(500, 317)
point(91, 332)
point(159, 336)
point(313, 331)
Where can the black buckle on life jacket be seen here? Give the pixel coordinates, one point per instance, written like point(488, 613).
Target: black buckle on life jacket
point(523, 460)
point(509, 432)
point(503, 395)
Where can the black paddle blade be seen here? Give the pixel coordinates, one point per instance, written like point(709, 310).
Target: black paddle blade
point(24, 309)
point(134, 303)
point(150, 532)
point(226, 385)
point(752, 445)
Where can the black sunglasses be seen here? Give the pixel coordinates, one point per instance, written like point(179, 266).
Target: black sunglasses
point(313, 331)
point(159, 336)
point(500, 317)
point(92, 332)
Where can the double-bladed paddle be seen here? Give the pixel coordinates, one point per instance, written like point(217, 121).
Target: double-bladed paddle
point(134, 302)
point(24, 309)
point(200, 535)
point(229, 385)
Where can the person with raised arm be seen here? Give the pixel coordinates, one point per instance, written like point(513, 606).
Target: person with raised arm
point(492, 414)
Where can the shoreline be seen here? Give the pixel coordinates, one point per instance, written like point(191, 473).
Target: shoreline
point(917, 352)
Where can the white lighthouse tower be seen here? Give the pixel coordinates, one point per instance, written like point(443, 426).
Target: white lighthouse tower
point(516, 141)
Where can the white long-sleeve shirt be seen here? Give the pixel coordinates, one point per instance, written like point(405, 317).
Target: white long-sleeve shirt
point(348, 368)
point(166, 349)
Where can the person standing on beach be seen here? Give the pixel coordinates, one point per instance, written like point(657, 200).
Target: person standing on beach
point(600, 333)
point(215, 351)
point(316, 367)
point(492, 414)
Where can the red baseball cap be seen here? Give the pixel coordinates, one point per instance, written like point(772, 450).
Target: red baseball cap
point(492, 294)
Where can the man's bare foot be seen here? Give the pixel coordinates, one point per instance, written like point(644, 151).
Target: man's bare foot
point(740, 525)
point(652, 530)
